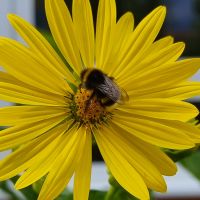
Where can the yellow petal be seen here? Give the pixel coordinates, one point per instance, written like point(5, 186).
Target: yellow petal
point(64, 166)
point(164, 133)
point(23, 64)
point(83, 170)
point(136, 158)
point(26, 155)
point(45, 160)
point(158, 45)
point(17, 135)
point(14, 115)
point(189, 129)
point(162, 162)
point(106, 19)
point(142, 37)
point(62, 29)
point(14, 90)
point(119, 34)
point(158, 51)
point(37, 170)
point(39, 45)
point(161, 108)
point(166, 55)
point(164, 75)
point(181, 91)
point(121, 169)
point(84, 30)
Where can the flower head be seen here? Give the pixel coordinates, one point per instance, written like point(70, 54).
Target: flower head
point(117, 85)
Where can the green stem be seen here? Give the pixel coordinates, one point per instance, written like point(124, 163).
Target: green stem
point(110, 193)
point(8, 190)
point(116, 191)
point(27, 192)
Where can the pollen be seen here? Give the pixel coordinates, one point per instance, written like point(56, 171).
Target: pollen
point(88, 108)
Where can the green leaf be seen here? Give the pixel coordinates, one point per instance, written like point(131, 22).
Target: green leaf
point(38, 185)
point(8, 189)
point(192, 164)
point(28, 192)
point(94, 195)
point(177, 155)
point(23, 194)
point(117, 192)
point(66, 195)
point(72, 86)
point(97, 195)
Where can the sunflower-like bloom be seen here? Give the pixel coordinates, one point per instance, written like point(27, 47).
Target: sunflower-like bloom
point(141, 110)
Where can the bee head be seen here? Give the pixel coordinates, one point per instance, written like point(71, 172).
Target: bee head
point(92, 78)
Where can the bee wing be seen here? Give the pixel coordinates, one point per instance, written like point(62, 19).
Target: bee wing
point(110, 89)
point(113, 91)
point(124, 96)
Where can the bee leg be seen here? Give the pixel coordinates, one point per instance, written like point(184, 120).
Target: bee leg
point(89, 101)
point(107, 102)
point(81, 85)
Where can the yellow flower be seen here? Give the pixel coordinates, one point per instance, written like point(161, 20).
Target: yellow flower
point(59, 115)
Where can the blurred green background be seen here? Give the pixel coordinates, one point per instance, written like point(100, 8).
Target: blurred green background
point(182, 21)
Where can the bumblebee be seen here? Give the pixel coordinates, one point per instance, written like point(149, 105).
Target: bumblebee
point(103, 87)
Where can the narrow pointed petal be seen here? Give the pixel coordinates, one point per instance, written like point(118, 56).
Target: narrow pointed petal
point(162, 162)
point(45, 160)
point(84, 30)
point(83, 171)
point(106, 19)
point(64, 166)
point(135, 157)
point(181, 91)
point(142, 37)
point(14, 115)
point(23, 64)
point(164, 133)
point(16, 91)
point(37, 170)
point(164, 76)
point(121, 169)
point(159, 45)
point(161, 108)
point(166, 55)
point(17, 135)
point(39, 45)
point(189, 129)
point(119, 34)
point(62, 29)
point(26, 155)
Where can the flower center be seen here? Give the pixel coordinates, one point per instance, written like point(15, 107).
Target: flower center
point(87, 109)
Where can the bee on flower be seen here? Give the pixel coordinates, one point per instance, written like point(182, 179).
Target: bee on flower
point(118, 85)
